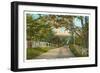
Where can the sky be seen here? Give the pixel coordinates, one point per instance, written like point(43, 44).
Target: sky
point(77, 22)
point(35, 16)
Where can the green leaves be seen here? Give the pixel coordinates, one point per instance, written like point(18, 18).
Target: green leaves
point(41, 28)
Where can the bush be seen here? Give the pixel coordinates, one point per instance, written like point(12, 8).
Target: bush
point(77, 51)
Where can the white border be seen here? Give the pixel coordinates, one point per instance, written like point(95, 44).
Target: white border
point(55, 62)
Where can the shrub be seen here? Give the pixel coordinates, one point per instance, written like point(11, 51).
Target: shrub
point(77, 51)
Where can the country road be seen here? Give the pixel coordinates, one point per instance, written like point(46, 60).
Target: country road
point(60, 52)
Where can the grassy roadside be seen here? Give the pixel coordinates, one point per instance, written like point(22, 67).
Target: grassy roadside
point(32, 53)
point(77, 51)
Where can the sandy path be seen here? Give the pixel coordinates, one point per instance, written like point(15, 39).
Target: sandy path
point(61, 52)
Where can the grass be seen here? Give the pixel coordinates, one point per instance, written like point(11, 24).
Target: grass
point(77, 51)
point(32, 53)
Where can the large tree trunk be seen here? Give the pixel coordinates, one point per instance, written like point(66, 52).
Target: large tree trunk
point(29, 43)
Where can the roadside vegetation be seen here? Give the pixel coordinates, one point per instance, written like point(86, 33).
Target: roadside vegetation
point(40, 29)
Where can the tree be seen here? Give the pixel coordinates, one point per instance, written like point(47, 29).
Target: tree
point(84, 30)
point(41, 28)
point(38, 29)
point(29, 22)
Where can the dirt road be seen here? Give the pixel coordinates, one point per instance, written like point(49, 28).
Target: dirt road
point(61, 52)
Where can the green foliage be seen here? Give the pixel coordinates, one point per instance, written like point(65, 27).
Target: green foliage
point(32, 53)
point(78, 51)
point(79, 41)
point(41, 29)
point(29, 18)
point(38, 28)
